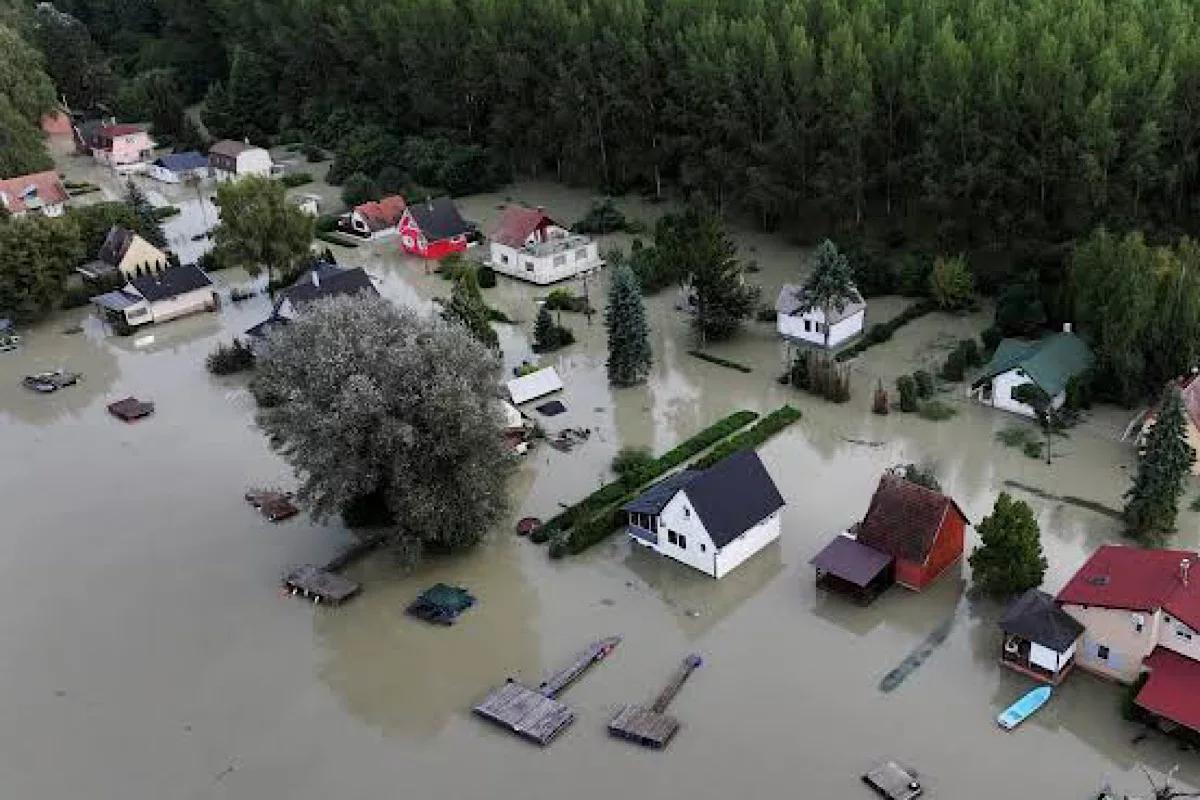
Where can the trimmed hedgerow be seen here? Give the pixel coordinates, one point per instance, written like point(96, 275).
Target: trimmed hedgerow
point(721, 362)
point(882, 331)
point(767, 427)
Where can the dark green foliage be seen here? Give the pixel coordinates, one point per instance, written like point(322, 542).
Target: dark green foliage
point(467, 308)
point(230, 358)
point(602, 217)
point(935, 410)
point(487, 278)
point(36, 255)
point(565, 300)
point(312, 153)
point(94, 222)
point(922, 476)
point(766, 313)
point(883, 331)
point(991, 338)
point(360, 188)
point(84, 78)
point(1152, 502)
point(338, 239)
point(924, 383)
point(1019, 308)
point(1009, 559)
point(629, 355)
point(631, 459)
point(251, 110)
point(148, 221)
point(159, 213)
point(156, 96)
point(548, 335)
point(1079, 393)
point(701, 251)
point(972, 356)
point(954, 369)
point(259, 228)
point(764, 429)
point(294, 179)
point(1130, 710)
point(830, 287)
point(907, 387)
point(22, 149)
point(325, 223)
point(822, 375)
point(723, 362)
point(951, 284)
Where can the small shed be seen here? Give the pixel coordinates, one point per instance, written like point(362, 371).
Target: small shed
point(1039, 637)
point(441, 604)
point(534, 385)
point(853, 569)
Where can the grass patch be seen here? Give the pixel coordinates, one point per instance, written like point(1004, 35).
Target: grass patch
point(935, 410)
point(165, 212)
point(1016, 436)
point(336, 238)
point(767, 427)
point(721, 362)
point(882, 331)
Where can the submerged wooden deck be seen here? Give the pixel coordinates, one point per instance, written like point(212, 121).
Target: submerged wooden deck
point(651, 726)
point(535, 714)
point(322, 586)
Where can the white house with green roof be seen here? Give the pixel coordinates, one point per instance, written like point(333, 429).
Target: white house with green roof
point(1048, 363)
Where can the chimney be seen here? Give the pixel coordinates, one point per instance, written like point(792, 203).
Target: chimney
point(1066, 327)
point(316, 278)
point(1184, 566)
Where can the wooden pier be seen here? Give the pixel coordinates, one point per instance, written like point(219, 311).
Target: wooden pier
point(320, 585)
point(651, 726)
point(536, 714)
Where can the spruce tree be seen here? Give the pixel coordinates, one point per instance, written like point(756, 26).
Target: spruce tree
point(723, 299)
point(545, 332)
point(1152, 503)
point(629, 354)
point(830, 287)
point(1009, 559)
point(148, 224)
point(466, 307)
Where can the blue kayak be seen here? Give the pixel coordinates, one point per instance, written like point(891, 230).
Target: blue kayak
point(1018, 711)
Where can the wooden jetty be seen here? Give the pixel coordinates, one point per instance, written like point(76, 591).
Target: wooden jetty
point(273, 504)
point(321, 585)
point(651, 726)
point(536, 714)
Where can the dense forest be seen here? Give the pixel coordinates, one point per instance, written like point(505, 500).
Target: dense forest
point(975, 120)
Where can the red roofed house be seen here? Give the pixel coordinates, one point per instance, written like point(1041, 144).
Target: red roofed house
point(122, 147)
point(376, 219)
point(39, 193)
point(433, 229)
point(1189, 391)
point(529, 245)
point(1141, 612)
point(921, 529)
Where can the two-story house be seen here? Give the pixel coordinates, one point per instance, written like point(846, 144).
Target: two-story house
point(528, 244)
point(125, 148)
point(229, 160)
point(39, 193)
point(322, 281)
point(1140, 610)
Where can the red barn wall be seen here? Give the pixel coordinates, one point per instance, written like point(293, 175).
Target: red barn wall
point(947, 550)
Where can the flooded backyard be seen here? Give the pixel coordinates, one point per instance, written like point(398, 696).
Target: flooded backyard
point(146, 652)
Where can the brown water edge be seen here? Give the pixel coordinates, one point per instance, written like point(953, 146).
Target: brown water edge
point(145, 652)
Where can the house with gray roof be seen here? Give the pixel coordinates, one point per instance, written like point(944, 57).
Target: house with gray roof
point(712, 520)
point(158, 295)
point(1049, 364)
point(798, 320)
point(324, 280)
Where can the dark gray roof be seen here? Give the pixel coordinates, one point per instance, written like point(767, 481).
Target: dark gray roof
point(116, 245)
point(331, 281)
point(261, 330)
point(116, 301)
point(851, 560)
point(734, 495)
point(1036, 617)
point(230, 148)
point(654, 499)
point(182, 162)
point(171, 282)
point(438, 219)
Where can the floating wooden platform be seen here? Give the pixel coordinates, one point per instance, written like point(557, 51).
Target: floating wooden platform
point(322, 586)
point(535, 714)
point(273, 504)
point(130, 409)
point(650, 726)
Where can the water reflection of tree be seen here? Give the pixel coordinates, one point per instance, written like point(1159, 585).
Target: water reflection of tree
point(410, 678)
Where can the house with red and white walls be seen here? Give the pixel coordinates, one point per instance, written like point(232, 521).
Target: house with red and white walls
point(529, 244)
point(375, 219)
point(433, 229)
point(1140, 611)
point(126, 148)
point(39, 193)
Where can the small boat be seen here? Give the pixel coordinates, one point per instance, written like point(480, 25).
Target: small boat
point(1023, 708)
point(894, 782)
point(46, 382)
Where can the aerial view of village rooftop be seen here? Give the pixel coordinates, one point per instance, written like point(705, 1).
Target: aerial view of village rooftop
point(522, 399)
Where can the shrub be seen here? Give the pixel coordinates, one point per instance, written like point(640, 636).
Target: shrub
point(164, 212)
point(602, 217)
point(631, 459)
point(1079, 393)
point(991, 339)
point(881, 404)
point(924, 383)
point(954, 369)
point(935, 410)
point(1130, 710)
point(1033, 449)
point(360, 188)
point(822, 375)
point(1015, 436)
point(971, 355)
point(313, 154)
point(486, 277)
point(922, 476)
point(294, 179)
point(766, 314)
point(231, 358)
point(564, 300)
point(723, 362)
point(325, 223)
point(907, 387)
point(560, 545)
point(526, 368)
point(951, 284)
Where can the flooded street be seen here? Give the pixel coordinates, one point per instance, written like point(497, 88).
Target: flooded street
point(146, 653)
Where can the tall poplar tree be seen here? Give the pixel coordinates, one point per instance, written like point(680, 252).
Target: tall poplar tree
point(629, 355)
point(1152, 503)
point(466, 307)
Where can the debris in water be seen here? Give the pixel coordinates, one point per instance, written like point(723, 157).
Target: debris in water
point(863, 442)
point(551, 409)
point(917, 657)
point(568, 439)
point(1078, 502)
point(608, 601)
point(72, 330)
point(691, 612)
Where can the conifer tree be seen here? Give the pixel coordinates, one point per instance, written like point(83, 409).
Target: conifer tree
point(148, 224)
point(1152, 503)
point(830, 287)
point(1009, 559)
point(723, 299)
point(545, 332)
point(629, 355)
point(467, 308)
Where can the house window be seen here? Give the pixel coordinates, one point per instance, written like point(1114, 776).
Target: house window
point(1183, 632)
point(560, 261)
point(703, 548)
point(581, 254)
point(816, 327)
point(1102, 652)
point(529, 266)
point(687, 513)
point(1139, 622)
point(808, 326)
point(503, 259)
point(683, 544)
point(672, 537)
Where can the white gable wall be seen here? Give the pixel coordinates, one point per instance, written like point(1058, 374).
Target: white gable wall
point(544, 269)
point(1003, 386)
point(192, 302)
point(746, 545)
point(254, 161)
point(793, 327)
point(680, 517)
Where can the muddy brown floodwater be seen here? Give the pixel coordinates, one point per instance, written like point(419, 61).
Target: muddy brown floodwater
point(145, 653)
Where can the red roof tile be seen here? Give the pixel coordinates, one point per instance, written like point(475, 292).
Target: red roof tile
point(904, 519)
point(1171, 690)
point(385, 213)
point(517, 224)
point(45, 186)
point(1131, 578)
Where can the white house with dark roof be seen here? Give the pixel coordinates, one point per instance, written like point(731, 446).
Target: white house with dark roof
point(712, 520)
point(230, 160)
point(795, 320)
point(158, 296)
point(323, 281)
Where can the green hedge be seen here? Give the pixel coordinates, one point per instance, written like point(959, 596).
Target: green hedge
point(610, 493)
point(882, 331)
point(719, 361)
point(767, 427)
point(294, 179)
point(600, 525)
point(165, 212)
